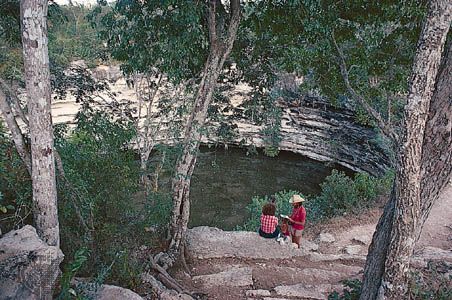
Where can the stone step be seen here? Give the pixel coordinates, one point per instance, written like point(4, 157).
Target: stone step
point(233, 277)
point(209, 242)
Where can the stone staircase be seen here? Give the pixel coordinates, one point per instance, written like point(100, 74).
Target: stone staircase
point(232, 265)
point(242, 265)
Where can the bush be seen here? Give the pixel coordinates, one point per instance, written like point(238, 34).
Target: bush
point(104, 176)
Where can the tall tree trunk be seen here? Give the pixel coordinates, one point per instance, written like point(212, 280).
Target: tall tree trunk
point(16, 133)
point(375, 262)
point(419, 176)
point(37, 80)
point(437, 149)
point(221, 43)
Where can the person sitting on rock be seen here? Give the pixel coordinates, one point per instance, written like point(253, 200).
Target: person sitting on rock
point(297, 219)
point(269, 223)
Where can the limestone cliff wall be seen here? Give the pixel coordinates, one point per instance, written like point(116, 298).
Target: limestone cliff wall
point(324, 133)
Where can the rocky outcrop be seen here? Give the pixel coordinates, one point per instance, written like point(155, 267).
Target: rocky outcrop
point(316, 129)
point(28, 266)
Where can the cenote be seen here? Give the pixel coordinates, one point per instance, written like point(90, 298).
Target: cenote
point(224, 182)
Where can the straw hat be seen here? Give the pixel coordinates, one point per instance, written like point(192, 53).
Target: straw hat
point(296, 199)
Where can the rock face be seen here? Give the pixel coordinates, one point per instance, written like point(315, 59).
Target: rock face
point(322, 132)
point(28, 266)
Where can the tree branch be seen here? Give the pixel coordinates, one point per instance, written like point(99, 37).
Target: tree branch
point(18, 138)
point(382, 125)
point(212, 23)
point(15, 101)
point(233, 28)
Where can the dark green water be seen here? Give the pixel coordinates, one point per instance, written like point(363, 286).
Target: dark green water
point(224, 181)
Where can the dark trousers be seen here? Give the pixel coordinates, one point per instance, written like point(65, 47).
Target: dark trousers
point(272, 235)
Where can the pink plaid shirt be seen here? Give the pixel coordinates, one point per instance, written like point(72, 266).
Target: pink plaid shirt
point(268, 223)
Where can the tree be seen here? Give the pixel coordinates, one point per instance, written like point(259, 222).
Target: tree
point(221, 40)
point(147, 37)
point(424, 161)
point(37, 81)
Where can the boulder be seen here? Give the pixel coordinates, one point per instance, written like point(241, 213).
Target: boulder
point(111, 292)
point(28, 266)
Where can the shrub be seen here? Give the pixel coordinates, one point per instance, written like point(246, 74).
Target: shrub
point(104, 175)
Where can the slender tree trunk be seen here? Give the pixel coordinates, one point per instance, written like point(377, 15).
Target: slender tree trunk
point(16, 133)
point(37, 80)
point(402, 227)
point(221, 42)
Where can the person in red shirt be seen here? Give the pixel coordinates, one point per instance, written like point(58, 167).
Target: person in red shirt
point(297, 219)
point(269, 223)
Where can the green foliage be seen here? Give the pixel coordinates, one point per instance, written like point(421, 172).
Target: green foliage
point(158, 208)
point(72, 37)
point(104, 176)
point(351, 291)
point(378, 39)
point(169, 36)
point(341, 193)
point(271, 131)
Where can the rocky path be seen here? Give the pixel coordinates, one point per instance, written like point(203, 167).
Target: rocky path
point(242, 265)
